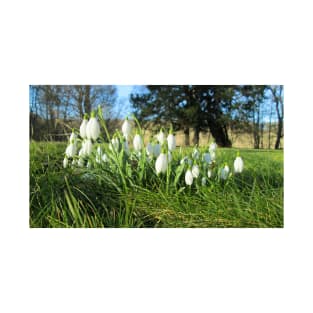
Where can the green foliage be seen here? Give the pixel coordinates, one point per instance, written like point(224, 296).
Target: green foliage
point(136, 197)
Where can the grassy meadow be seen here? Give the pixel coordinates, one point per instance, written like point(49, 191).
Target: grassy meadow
point(97, 197)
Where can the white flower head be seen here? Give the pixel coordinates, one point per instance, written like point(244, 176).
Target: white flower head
point(195, 171)
point(209, 173)
point(149, 149)
point(161, 163)
point(71, 150)
point(206, 157)
point(156, 149)
point(213, 155)
point(224, 172)
point(126, 128)
point(171, 142)
point(83, 126)
point(137, 142)
point(203, 181)
point(73, 137)
point(212, 147)
point(188, 177)
point(105, 158)
point(161, 136)
point(115, 143)
point(195, 154)
point(93, 127)
point(65, 162)
point(238, 165)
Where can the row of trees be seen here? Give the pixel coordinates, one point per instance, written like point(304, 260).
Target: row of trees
point(213, 108)
point(53, 108)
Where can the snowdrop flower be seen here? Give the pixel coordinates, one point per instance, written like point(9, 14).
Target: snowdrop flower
point(93, 128)
point(195, 154)
point(224, 172)
point(212, 147)
point(83, 126)
point(184, 160)
point(238, 164)
point(156, 150)
point(81, 162)
point(73, 137)
point(206, 157)
point(188, 177)
point(115, 143)
point(71, 150)
point(87, 147)
point(161, 163)
point(137, 142)
point(65, 162)
point(161, 136)
point(209, 173)
point(213, 155)
point(126, 128)
point(195, 171)
point(171, 141)
point(149, 149)
point(203, 181)
point(104, 158)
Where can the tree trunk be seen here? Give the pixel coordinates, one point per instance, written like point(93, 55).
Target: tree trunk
point(87, 102)
point(279, 133)
point(196, 136)
point(187, 136)
point(219, 132)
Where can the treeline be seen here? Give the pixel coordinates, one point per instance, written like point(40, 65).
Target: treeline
point(203, 108)
point(55, 109)
point(252, 109)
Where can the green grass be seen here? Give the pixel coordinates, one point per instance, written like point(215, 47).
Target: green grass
point(99, 198)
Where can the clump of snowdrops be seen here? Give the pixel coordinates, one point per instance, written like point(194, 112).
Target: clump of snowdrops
point(131, 163)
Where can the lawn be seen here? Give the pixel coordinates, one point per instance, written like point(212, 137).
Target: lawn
point(98, 197)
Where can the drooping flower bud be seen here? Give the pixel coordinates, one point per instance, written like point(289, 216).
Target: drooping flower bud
point(115, 143)
point(126, 128)
point(156, 149)
point(93, 128)
point(137, 142)
point(188, 177)
point(71, 150)
point(149, 149)
point(161, 136)
point(212, 147)
point(238, 165)
point(83, 126)
point(73, 137)
point(171, 142)
point(161, 163)
point(224, 172)
point(195, 171)
point(209, 173)
point(65, 162)
point(203, 181)
point(206, 158)
point(195, 154)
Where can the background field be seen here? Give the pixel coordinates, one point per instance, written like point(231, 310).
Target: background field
point(83, 198)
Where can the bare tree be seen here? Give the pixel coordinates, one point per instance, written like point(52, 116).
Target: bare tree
point(277, 95)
